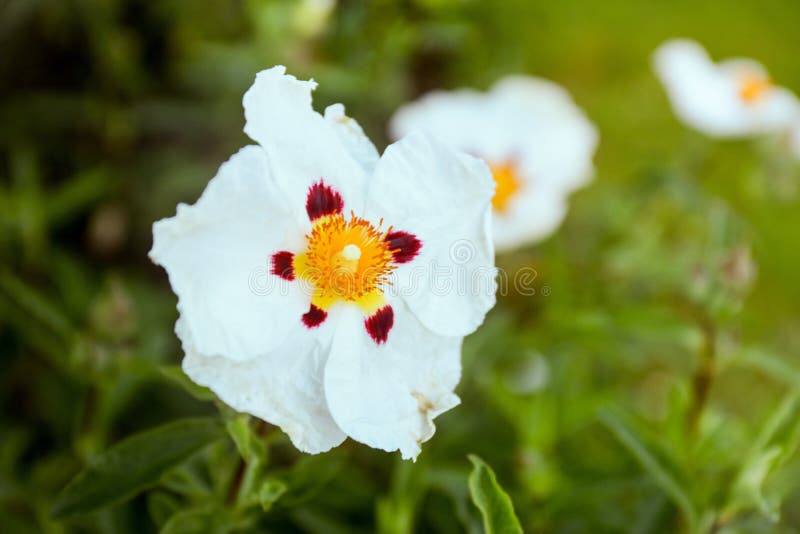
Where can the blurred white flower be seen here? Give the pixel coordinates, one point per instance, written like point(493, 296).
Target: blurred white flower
point(732, 98)
point(312, 15)
point(794, 138)
point(323, 346)
point(537, 142)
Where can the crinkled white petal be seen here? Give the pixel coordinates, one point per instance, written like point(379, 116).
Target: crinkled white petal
point(283, 387)
point(217, 254)
point(387, 395)
point(302, 146)
point(352, 137)
point(706, 96)
point(424, 187)
point(532, 215)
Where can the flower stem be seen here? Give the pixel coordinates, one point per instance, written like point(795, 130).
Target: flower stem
point(704, 375)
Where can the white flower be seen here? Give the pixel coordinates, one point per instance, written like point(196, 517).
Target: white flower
point(733, 98)
point(537, 142)
point(283, 270)
point(794, 138)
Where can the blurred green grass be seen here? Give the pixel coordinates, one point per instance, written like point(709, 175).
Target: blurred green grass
point(113, 111)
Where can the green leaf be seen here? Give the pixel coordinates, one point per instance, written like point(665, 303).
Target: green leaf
point(161, 506)
point(270, 492)
point(650, 462)
point(250, 446)
point(310, 475)
point(493, 502)
point(35, 304)
point(133, 464)
point(773, 446)
point(196, 521)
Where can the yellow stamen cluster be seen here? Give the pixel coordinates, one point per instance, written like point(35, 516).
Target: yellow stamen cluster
point(346, 260)
point(753, 87)
point(505, 176)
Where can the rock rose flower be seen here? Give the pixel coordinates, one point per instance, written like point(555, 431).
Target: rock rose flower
point(537, 142)
point(730, 99)
point(315, 279)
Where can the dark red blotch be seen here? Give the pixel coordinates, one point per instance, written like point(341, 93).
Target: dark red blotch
point(379, 323)
point(322, 200)
point(404, 246)
point(314, 317)
point(282, 265)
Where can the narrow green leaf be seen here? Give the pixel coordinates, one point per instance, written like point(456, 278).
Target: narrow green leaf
point(493, 502)
point(774, 445)
point(768, 363)
point(78, 193)
point(649, 461)
point(134, 464)
point(36, 305)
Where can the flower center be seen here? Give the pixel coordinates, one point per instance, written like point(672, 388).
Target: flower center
point(505, 176)
point(753, 87)
point(345, 260)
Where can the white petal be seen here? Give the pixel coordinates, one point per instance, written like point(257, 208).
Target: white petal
point(283, 387)
point(530, 216)
point(302, 146)
point(774, 112)
point(352, 136)
point(443, 197)
point(459, 118)
point(706, 96)
point(555, 140)
point(387, 396)
point(527, 120)
point(217, 254)
point(693, 86)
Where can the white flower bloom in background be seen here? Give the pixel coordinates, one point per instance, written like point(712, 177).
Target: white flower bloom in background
point(311, 16)
point(732, 98)
point(794, 138)
point(346, 331)
point(537, 142)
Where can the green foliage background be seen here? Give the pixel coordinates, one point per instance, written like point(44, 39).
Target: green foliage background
point(648, 386)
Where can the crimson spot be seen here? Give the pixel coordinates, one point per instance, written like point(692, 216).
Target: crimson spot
point(314, 317)
point(404, 246)
point(282, 264)
point(322, 200)
point(379, 323)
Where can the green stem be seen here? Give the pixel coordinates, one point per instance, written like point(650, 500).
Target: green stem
point(704, 375)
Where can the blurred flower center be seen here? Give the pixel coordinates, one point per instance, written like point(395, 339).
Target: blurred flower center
point(505, 176)
point(345, 260)
point(753, 87)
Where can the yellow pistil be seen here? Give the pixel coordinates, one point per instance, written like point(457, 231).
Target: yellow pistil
point(505, 176)
point(753, 87)
point(346, 260)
